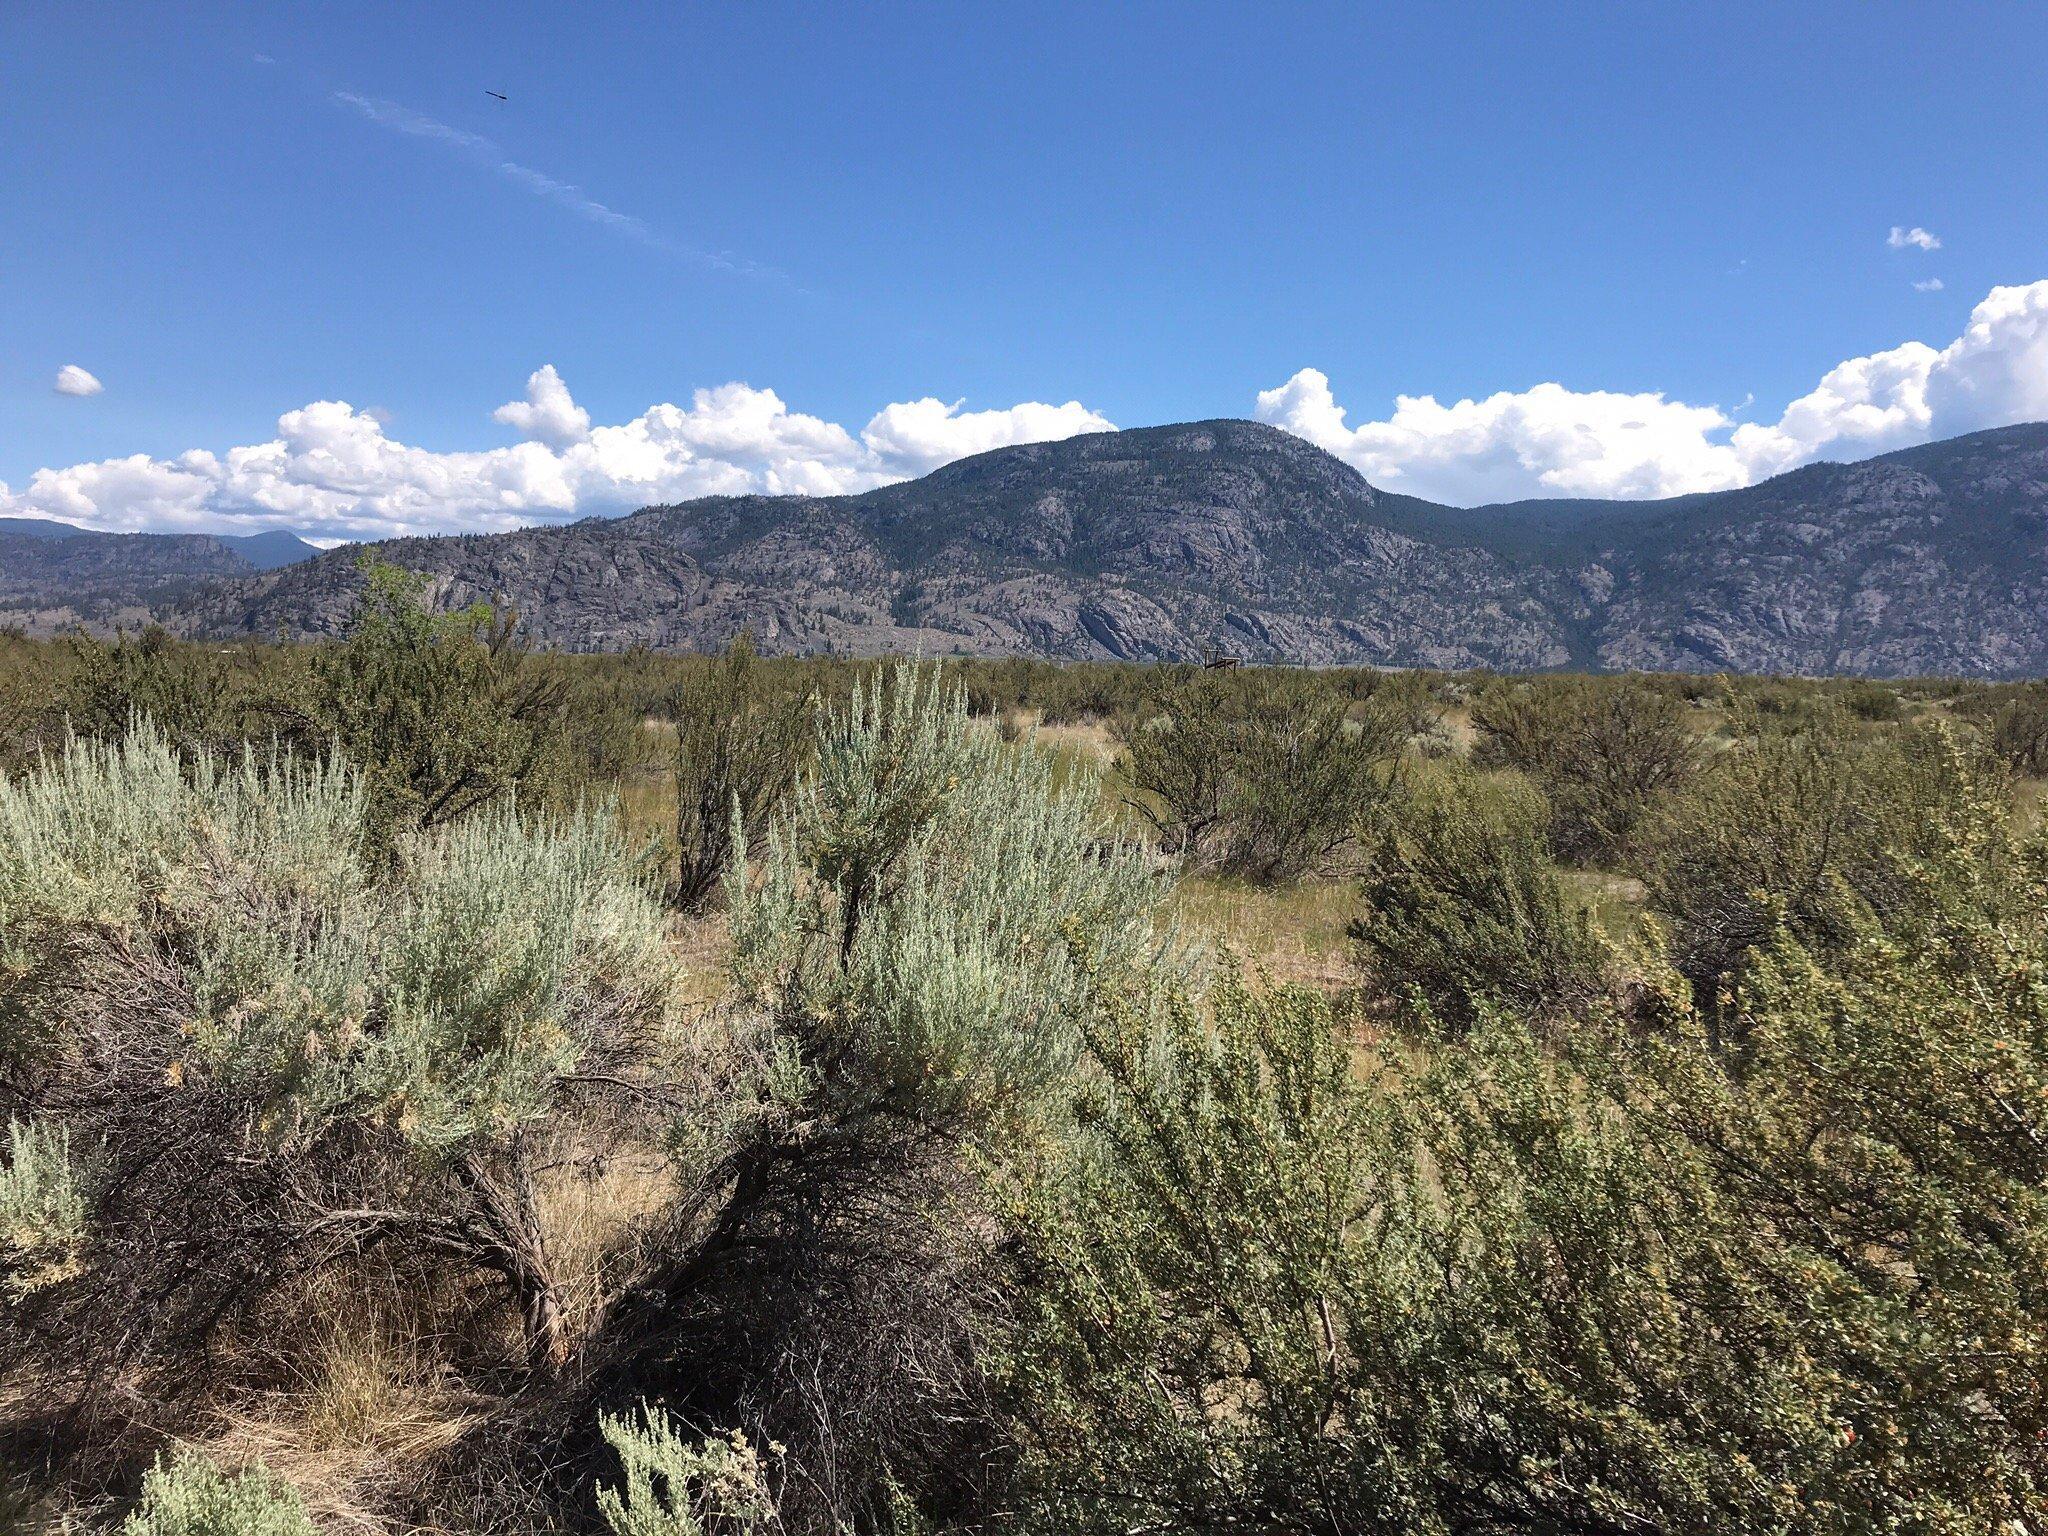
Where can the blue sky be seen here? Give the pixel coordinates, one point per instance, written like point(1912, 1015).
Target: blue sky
point(225, 213)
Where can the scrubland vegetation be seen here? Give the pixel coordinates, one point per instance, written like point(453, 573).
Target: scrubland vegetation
point(459, 1089)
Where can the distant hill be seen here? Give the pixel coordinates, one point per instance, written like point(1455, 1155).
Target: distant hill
point(269, 551)
point(36, 528)
point(1157, 543)
point(53, 574)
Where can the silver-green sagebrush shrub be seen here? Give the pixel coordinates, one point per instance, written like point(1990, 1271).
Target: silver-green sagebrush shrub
point(911, 956)
point(523, 954)
point(42, 1207)
point(926, 919)
point(675, 1486)
point(190, 1495)
point(280, 1051)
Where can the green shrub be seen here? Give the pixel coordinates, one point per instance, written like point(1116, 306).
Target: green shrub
point(739, 746)
point(1463, 910)
point(2018, 732)
point(1264, 778)
point(1875, 702)
point(441, 713)
point(191, 1496)
point(1621, 1281)
point(30, 702)
point(1794, 831)
point(202, 697)
point(1602, 750)
point(1202, 1279)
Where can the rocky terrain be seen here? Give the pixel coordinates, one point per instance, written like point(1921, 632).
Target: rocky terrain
point(53, 575)
point(1163, 542)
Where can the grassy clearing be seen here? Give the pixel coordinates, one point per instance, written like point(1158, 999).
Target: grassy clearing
point(1292, 934)
point(2030, 802)
point(1086, 743)
point(1615, 900)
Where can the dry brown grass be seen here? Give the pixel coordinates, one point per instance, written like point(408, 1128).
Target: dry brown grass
point(365, 1404)
point(1454, 724)
point(372, 1397)
point(1615, 900)
point(1090, 743)
point(1290, 934)
point(592, 1213)
point(2030, 802)
point(647, 811)
point(700, 944)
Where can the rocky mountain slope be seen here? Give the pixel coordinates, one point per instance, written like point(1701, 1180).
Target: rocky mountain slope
point(53, 574)
point(1161, 542)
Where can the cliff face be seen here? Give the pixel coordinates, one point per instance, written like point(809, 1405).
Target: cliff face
point(1156, 543)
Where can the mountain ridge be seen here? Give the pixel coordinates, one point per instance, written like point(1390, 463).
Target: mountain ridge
point(1159, 543)
point(54, 573)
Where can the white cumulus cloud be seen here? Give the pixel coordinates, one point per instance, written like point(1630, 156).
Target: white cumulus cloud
point(1916, 237)
point(917, 436)
point(74, 380)
point(547, 414)
point(1554, 441)
point(1545, 441)
point(333, 471)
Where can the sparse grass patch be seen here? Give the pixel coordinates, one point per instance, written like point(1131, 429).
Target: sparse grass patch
point(1292, 933)
point(2030, 802)
point(1613, 899)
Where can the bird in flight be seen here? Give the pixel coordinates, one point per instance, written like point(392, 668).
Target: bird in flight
point(499, 95)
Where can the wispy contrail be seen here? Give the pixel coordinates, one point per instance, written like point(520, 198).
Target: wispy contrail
point(488, 153)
